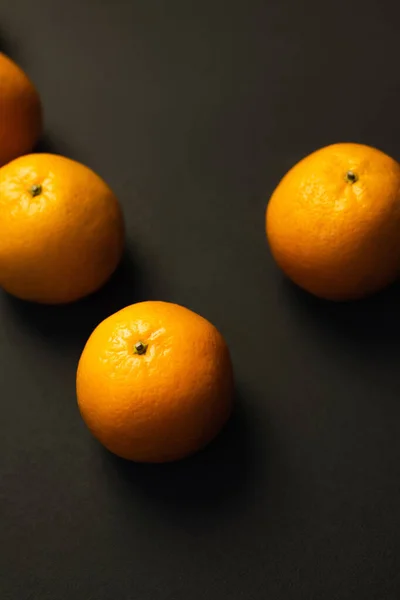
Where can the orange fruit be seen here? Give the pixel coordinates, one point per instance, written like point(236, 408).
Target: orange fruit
point(154, 382)
point(333, 222)
point(20, 111)
point(61, 229)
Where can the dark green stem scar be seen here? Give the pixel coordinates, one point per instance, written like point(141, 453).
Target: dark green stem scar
point(351, 177)
point(36, 190)
point(140, 348)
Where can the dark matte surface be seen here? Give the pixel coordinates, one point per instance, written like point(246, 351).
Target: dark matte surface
point(192, 111)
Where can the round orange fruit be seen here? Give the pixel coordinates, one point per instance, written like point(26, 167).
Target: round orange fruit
point(154, 382)
point(333, 222)
point(20, 111)
point(61, 229)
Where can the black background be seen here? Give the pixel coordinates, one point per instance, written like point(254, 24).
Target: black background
point(192, 111)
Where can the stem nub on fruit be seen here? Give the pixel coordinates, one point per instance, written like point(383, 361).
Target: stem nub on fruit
point(140, 348)
point(351, 177)
point(35, 190)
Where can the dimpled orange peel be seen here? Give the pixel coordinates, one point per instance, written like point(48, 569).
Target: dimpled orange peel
point(333, 222)
point(61, 229)
point(154, 382)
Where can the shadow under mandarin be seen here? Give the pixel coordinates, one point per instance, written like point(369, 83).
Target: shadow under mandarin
point(369, 326)
point(71, 324)
point(213, 482)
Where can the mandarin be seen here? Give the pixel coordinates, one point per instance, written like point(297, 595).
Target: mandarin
point(154, 382)
point(20, 111)
point(333, 222)
point(61, 229)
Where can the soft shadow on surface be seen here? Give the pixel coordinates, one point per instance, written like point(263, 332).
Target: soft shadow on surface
point(370, 325)
point(210, 483)
point(49, 145)
point(72, 324)
point(8, 47)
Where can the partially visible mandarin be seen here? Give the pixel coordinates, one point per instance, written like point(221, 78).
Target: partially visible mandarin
point(333, 222)
point(20, 112)
point(61, 229)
